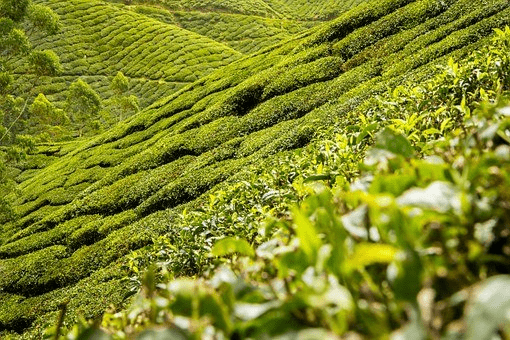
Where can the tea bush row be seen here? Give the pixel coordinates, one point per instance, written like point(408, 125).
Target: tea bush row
point(296, 9)
point(98, 39)
point(202, 149)
point(208, 132)
point(425, 214)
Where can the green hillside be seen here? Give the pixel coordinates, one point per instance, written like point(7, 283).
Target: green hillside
point(244, 33)
point(246, 26)
point(80, 217)
point(312, 10)
point(248, 7)
point(319, 10)
point(98, 39)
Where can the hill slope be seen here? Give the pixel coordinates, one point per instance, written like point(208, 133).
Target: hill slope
point(246, 26)
point(318, 10)
point(244, 33)
point(98, 39)
point(80, 215)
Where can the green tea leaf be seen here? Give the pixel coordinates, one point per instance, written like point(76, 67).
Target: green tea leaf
point(232, 245)
point(395, 143)
point(366, 131)
point(366, 254)
point(192, 298)
point(308, 238)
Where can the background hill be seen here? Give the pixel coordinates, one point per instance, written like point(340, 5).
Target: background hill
point(246, 26)
point(244, 33)
point(80, 216)
point(98, 39)
point(293, 9)
point(116, 37)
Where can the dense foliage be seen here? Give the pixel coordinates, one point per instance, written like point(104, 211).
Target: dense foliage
point(215, 159)
point(293, 9)
point(98, 39)
point(16, 139)
point(409, 241)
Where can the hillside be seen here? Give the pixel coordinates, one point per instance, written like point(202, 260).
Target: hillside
point(81, 216)
point(244, 33)
point(246, 26)
point(186, 57)
point(293, 9)
point(98, 39)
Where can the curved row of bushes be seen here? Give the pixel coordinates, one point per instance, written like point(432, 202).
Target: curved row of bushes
point(147, 170)
point(396, 227)
point(97, 40)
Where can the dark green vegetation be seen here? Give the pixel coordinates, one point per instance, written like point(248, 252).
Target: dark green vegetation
point(81, 216)
point(17, 133)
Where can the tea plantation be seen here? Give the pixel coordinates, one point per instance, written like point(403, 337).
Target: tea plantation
point(244, 33)
point(295, 9)
point(246, 26)
point(98, 39)
point(334, 182)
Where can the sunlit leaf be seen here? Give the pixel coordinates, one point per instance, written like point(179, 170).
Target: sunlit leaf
point(439, 196)
point(395, 143)
point(355, 222)
point(414, 330)
point(308, 238)
point(250, 311)
point(308, 334)
point(366, 254)
point(161, 334)
point(232, 245)
point(335, 295)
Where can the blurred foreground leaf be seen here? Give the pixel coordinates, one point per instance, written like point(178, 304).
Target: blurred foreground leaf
point(232, 245)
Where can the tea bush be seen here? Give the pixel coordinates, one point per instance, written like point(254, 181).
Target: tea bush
point(98, 40)
point(408, 238)
point(213, 133)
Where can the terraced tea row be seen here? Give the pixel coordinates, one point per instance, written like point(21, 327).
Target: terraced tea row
point(306, 10)
point(248, 7)
point(81, 215)
point(246, 34)
point(313, 10)
point(256, 25)
point(97, 40)
point(55, 88)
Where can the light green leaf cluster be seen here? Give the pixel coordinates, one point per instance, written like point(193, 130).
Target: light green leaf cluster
point(404, 246)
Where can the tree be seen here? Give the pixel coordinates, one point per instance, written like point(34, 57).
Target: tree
point(83, 105)
point(47, 122)
point(45, 63)
point(14, 44)
point(122, 104)
point(15, 17)
point(120, 84)
point(43, 18)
